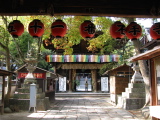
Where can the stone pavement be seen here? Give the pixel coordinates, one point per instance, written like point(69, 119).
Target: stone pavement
point(76, 108)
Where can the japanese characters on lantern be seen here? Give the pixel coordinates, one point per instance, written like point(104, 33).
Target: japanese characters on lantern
point(15, 28)
point(155, 31)
point(58, 29)
point(87, 29)
point(36, 28)
point(117, 30)
point(133, 31)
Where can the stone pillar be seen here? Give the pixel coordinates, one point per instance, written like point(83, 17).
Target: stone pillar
point(31, 66)
point(137, 77)
point(94, 80)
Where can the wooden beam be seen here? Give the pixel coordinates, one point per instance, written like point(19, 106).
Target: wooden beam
point(116, 8)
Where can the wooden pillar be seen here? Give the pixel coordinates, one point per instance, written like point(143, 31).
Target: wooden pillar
point(154, 100)
point(94, 80)
point(73, 79)
point(70, 80)
point(153, 83)
point(3, 92)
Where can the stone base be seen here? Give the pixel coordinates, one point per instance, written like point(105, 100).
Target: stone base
point(50, 95)
point(23, 104)
point(130, 103)
point(30, 81)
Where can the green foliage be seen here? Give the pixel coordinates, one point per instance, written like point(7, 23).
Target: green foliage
point(126, 51)
point(108, 66)
point(23, 43)
point(73, 36)
point(103, 42)
point(73, 24)
point(42, 63)
point(75, 83)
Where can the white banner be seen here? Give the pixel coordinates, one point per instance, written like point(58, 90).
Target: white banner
point(104, 83)
point(62, 83)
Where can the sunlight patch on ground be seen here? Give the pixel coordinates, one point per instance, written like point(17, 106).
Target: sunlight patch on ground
point(38, 114)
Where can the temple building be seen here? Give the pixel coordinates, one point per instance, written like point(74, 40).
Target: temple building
point(80, 68)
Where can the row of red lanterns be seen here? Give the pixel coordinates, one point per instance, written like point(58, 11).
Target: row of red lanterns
point(133, 31)
point(87, 29)
point(58, 28)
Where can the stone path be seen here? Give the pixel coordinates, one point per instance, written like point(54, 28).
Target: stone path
point(74, 108)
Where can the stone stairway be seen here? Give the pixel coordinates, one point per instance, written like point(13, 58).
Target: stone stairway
point(133, 97)
point(21, 98)
point(81, 87)
point(82, 94)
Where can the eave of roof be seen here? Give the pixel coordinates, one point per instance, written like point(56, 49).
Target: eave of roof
point(147, 55)
point(115, 68)
point(34, 66)
point(5, 72)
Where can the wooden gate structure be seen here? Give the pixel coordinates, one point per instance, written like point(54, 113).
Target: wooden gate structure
point(110, 8)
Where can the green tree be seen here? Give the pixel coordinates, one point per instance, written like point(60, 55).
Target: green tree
point(22, 45)
point(42, 62)
point(4, 44)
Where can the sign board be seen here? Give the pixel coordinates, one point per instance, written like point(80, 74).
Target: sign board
point(36, 75)
point(104, 83)
point(62, 83)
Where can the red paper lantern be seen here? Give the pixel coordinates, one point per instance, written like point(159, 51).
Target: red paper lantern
point(87, 29)
point(16, 28)
point(117, 30)
point(36, 28)
point(58, 29)
point(155, 31)
point(133, 31)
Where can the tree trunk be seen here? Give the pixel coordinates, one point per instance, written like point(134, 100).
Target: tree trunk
point(9, 77)
point(143, 68)
point(144, 71)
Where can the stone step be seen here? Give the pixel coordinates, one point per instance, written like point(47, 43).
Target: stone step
point(130, 90)
point(82, 88)
point(134, 103)
point(26, 90)
point(133, 95)
point(27, 96)
point(136, 85)
point(82, 94)
point(130, 103)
